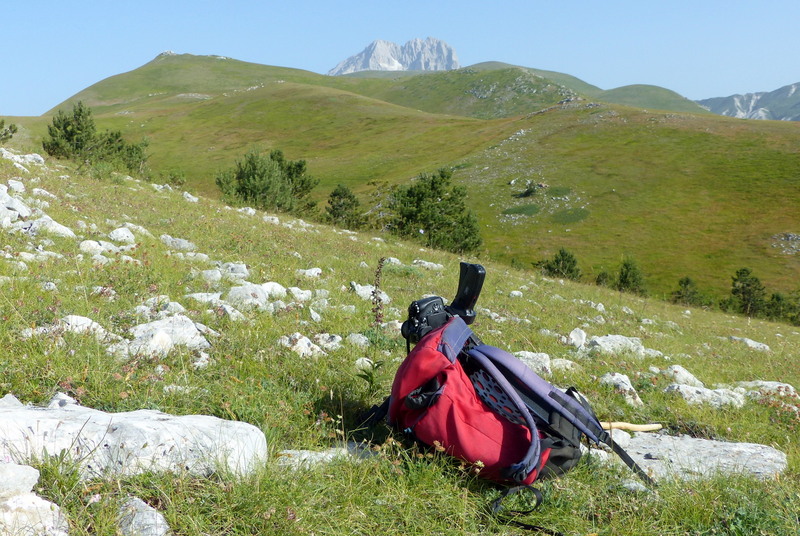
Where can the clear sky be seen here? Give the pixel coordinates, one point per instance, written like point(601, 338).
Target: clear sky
point(51, 49)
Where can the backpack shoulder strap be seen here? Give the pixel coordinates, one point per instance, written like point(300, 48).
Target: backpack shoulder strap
point(545, 400)
point(520, 470)
point(455, 335)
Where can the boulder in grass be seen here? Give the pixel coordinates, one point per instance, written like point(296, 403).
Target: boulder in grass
point(750, 343)
point(366, 292)
point(685, 458)
point(179, 244)
point(129, 443)
point(122, 234)
point(301, 345)
point(716, 398)
point(137, 518)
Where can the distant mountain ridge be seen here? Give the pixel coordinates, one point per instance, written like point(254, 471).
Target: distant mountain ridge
point(430, 54)
point(782, 104)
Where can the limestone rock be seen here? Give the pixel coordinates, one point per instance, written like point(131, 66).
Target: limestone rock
point(16, 479)
point(622, 384)
point(301, 345)
point(619, 344)
point(680, 375)
point(179, 244)
point(137, 518)
point(129, 443)
point(683, 457)
point(760, 346)
point(30, 515)
point(365, 292)
point(310, 273)
point(122, 234)
point(538, 362)
point(713, 397)
point(47, 225)
point(577, 337)
point(161, 336)
point(427, 265)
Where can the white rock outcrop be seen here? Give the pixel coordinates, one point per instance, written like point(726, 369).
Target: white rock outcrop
point(127, 443)
point(682, 457)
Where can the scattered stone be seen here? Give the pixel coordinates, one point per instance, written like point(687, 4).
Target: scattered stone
point(577, 338)
point(300, 294)
point(15, 208)
point(16, 186)
point(309, 459)
point(236, 271)
point(301, 345)
point(760, 346)
point(427, 265)
point(713, 397)
point(310, 273)
point(129, 443)
point(563, 365)
point(16, 479)
point(251, 296)
point(622, 384)
point(681, 376)
point(179, 244)
point(28, 514)
point(211, 276)
point(365, 292)
point(229, 312)
point(619, 344)
point(212, 298)
point(686, 458)
point(759, 387)
point(94, 247)
point(190, 198)
point(328, 342)
point(364, 363)
point(122, 234)
point(137, 229)
point(193, 256)
point(47, 225)
point(538, 362)
point(137, 518)
point(357, 339)
point(158, 338)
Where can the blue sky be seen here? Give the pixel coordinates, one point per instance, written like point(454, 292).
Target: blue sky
point(699, 48)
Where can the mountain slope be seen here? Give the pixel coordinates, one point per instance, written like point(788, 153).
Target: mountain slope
point(248, 371)
point(624, 181)
point(782, 104)
point(649, 97)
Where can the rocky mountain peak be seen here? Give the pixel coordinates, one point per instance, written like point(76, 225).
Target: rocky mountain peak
point(430, 54)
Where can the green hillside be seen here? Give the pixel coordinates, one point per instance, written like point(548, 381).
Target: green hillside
point(247, 372)
point(683, 194)
point(649, 97)
point(483, 91)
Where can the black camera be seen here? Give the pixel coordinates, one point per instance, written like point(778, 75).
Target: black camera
point(430, 313)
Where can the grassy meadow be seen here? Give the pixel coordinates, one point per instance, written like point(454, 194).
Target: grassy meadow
point(635, 172)
point(314, 403)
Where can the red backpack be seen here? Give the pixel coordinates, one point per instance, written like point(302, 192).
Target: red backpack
point(434, 401)
point(483, 405)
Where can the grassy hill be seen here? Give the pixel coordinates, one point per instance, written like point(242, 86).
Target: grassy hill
point(683, 194)
point(313, 403)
